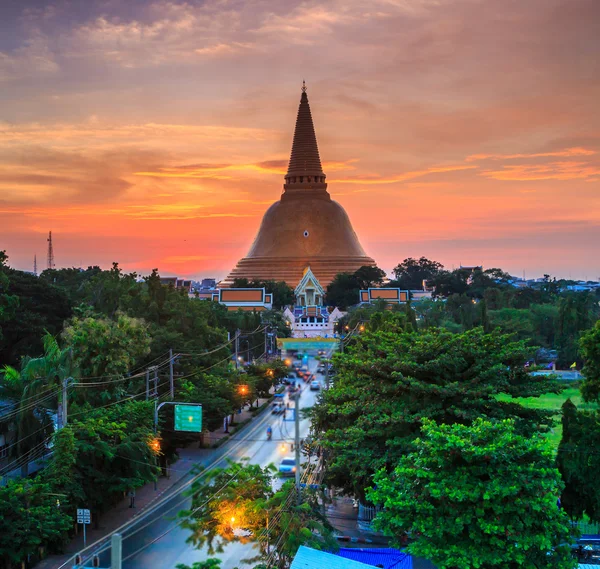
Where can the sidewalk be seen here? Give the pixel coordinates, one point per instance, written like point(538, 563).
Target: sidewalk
point(144, 496)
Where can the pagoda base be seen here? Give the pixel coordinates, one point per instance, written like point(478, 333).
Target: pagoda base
point(291, 270)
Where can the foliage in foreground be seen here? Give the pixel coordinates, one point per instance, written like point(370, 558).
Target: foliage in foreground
point(590, 348)
point(390, 381)
point(245, 505)
point(477, 497)
point(578, 461)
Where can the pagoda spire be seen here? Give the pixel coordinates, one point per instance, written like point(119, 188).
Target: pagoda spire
point(305, 171)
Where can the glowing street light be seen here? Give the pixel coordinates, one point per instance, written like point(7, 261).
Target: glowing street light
point(155, 446)
point(362, 328)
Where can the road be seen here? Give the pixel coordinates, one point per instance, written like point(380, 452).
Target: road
point(157, 542)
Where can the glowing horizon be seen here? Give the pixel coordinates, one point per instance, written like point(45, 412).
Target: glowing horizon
point(156, 134)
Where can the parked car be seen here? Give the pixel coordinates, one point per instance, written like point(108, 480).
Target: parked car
point(315, 385)
point(287, 467)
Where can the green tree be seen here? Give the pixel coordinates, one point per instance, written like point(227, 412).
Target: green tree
point(104, 350)
point(239, 512)
point(267, 375)
point(8, 302)
point(579, 462)
point(412, 273)
point(114, 450)
point(343, 291)
point(32, 308)
point(32, 521)
point(480, 496)
point(369, 277)
point(590, 351)
point(37, 387)
point(389, 381)
point(211, 563)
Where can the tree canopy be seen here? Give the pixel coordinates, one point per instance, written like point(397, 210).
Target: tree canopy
point(388, 381)
point(480, 496)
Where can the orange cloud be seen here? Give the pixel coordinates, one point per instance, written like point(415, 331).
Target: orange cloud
point(551, 171)
point(567, 153)
point(174, 211)
point(210, 170)
point(376, 180)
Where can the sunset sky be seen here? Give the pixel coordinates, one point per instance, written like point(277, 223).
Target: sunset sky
point(156, 134)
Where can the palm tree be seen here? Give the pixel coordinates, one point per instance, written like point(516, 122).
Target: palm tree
point(37, 388)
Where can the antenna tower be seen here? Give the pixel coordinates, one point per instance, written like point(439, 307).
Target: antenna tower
point(50, 252)
point(35, 265)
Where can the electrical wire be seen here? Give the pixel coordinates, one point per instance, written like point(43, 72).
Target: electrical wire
point(25, 438)
point(31, 405)
point(178, 523)
point(26, 458)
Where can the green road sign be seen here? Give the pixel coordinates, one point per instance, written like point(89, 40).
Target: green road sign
point(188, 418)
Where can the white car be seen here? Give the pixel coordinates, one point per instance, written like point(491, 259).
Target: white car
point(315, 385)
point(287, 467)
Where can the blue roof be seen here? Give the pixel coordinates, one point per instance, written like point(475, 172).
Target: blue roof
point(308, 558)
point(387, 558)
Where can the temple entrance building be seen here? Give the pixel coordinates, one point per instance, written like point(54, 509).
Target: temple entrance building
point(305, 228)
point(309, 318)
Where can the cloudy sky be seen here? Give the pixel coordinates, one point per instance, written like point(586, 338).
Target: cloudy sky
point(156, 134)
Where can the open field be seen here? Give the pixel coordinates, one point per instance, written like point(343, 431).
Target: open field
point(552, 401)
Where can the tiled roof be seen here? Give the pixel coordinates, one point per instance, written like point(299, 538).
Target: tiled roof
point(387, 558)
point(308, 558)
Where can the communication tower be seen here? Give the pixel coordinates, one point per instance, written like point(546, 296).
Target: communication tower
point(50, 252)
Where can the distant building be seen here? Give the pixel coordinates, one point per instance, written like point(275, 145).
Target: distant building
point(248, 299)
point(7, 429)
point(389, 295)
point(308, 317)
point(177, 283)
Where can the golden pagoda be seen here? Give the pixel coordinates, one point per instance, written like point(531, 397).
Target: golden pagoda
point(305, 228)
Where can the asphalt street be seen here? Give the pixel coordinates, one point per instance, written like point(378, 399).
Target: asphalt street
point(156, 541)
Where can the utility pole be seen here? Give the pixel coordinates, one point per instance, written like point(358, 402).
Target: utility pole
point(116, 551)
point(297, 442)
point(147, 384)
point(266, 343)
point(155, 381)
point(64, 400)
point(172, 385)
point(237, 348)
point(268, 544)
point(327, 373)
point(35, 265)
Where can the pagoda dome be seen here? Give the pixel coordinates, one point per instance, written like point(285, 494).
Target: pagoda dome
point(305, 227)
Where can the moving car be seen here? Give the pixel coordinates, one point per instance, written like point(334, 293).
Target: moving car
point(315, 385)
point(287, 467)
point(278, 409)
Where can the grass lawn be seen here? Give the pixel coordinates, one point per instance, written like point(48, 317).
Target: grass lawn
point(552, 401)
